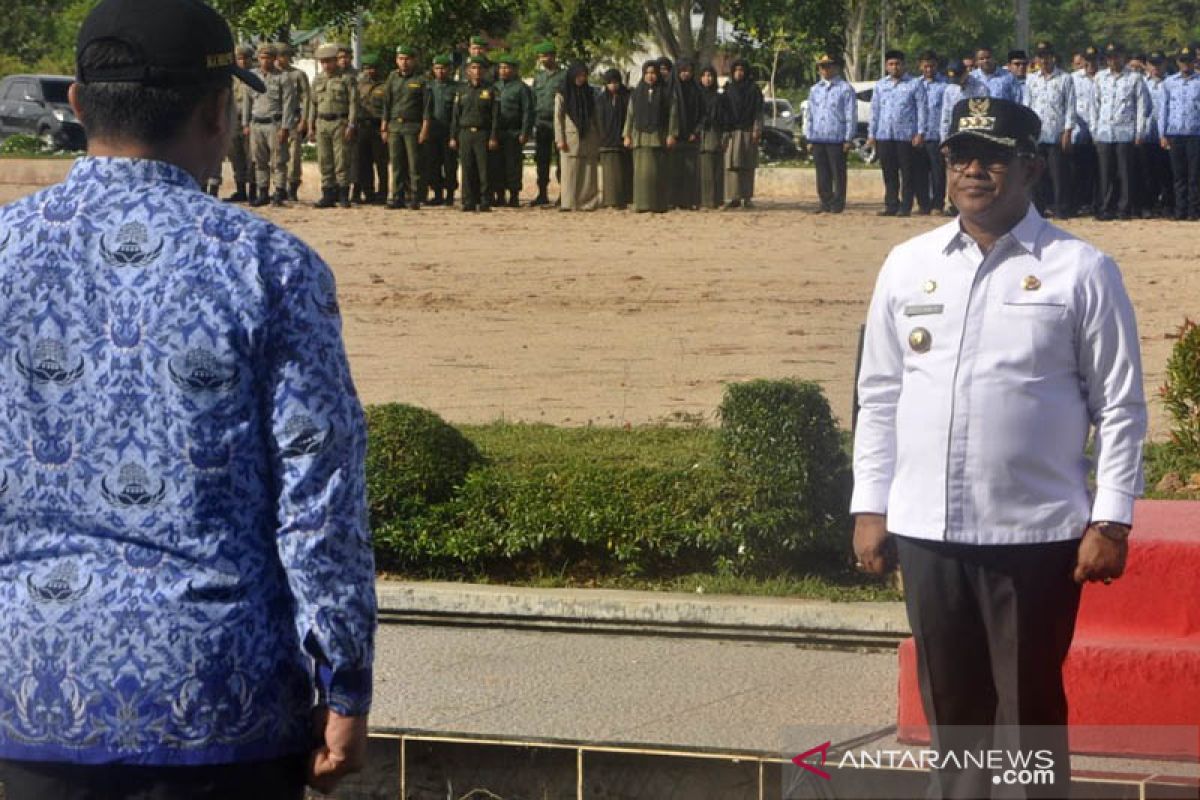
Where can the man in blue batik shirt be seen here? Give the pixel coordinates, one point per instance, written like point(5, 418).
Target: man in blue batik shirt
point(1118, 123)
point(897, 119)
point(1154, 162)
point(1051, 94)
point(929, 168)
point(186, 578)
point(1179, 127)
point(1000, 82)
point(1084, 164)
point(830, 120)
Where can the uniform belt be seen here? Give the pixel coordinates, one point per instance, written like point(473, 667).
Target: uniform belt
point(474, 130)
point(268, 120)
point(332, 117)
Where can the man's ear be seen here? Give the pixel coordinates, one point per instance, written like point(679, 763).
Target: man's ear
point(73, 100)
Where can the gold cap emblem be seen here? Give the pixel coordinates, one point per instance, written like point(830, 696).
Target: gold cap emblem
point(920, 340)
point(930, 286)
point(1030, 283)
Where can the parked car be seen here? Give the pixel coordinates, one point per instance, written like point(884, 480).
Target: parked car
point(37, 105)
point(778, 113)
point(863, 91)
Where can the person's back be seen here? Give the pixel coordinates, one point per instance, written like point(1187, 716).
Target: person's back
point(185, 573)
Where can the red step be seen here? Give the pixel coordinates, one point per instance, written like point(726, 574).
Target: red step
point(1134, 667)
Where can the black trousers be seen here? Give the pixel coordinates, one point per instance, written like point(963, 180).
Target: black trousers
point(1152, 170)
point(1085, 177)
point(830, 161)
point(1116, 177)
point(896, 158)
point(929, 176)
point(992, 625)
point(1054, 190)
point(544, 153)
point(1185, 167)
point(372, 161)
point(440, 162)
point(279, 779)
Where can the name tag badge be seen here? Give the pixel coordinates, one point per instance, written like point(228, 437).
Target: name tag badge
point(923, 311)
point(485, 95)
point(414, 86)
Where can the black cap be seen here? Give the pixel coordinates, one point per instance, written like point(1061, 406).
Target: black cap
point(1113, 49)
point(1017, 54)
point(1044, 49)
point(1002, 122)
point(175, 42)
point(955, 68)
point(1158, 58)
point(1187, 54)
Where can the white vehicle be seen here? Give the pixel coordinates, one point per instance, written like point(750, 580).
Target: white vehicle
point(863, 91)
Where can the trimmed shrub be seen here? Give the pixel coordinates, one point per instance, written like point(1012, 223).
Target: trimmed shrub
point(20, 144)
point(414, 460)
point(1181, 397)
point(788, 476)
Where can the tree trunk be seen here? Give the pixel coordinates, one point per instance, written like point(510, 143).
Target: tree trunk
point(856, 21)
point(706, 45)
point(664, 32)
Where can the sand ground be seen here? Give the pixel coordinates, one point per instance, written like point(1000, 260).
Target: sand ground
point(612, 318)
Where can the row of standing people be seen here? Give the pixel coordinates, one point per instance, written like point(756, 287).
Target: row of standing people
point(1118, 142)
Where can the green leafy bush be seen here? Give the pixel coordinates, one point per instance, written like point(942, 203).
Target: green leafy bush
point(1181, 398)
point(414, 460)
point(20, 144)
point(788, 474)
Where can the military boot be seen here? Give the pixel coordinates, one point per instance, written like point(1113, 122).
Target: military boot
point(239, 196)
point(280, 197)
point(343, 196)
point(261, 198)
point(293, 191)
point(514, 200)
point(356, 194)
point(328, 198)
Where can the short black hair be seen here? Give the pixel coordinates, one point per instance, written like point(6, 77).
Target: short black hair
point(134, 111)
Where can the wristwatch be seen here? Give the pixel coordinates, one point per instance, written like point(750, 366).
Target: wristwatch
point(1117, 531)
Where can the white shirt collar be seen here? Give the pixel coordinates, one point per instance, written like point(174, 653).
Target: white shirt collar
point(1025, 233)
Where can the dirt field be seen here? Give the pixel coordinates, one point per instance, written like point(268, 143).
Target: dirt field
point(612, 318)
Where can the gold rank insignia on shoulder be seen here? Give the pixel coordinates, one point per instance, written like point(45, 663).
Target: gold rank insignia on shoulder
point(929, 287)
point(485, 94)
point(1030, 283)
point(920, 340)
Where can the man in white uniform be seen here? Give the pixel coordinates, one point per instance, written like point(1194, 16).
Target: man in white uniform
point(995, 345)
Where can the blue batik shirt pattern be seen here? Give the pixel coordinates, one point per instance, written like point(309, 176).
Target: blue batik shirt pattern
point(935, 93)
point(1180, 111)
point(185, 565)
point(1122, 107)
point(971, 87)
point(897, 109)
point(1156, 87)
point(831, 115)
point(1052, 98)
point(1085, 102)
point(1001, 84)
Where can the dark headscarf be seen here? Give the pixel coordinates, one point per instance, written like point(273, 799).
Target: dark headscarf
point(651, 109)
point(578, 101)
point(691, 104)
point(612, 109)
point(745, 98)
point(712, 102)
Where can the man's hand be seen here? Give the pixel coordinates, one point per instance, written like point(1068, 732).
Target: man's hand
point(349, 133)
point(1164, 143)
point(918, 140)
point(563, 147)
point(453, 144)
point(493, 144)
point(874, 547)
point(342, 751)
point(1100, 558)
point(246, 131)
point(671, 142)
point(629, 142)
point(870, 142)
point(522, 139)
point(846, 147)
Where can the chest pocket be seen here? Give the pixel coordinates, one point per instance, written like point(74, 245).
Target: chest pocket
point(1036, 333)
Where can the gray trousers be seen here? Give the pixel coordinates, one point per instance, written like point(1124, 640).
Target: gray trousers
point(270, 159)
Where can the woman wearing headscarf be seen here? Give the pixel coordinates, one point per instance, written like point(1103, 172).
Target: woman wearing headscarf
point(684, 156)
point(653, 115)
point(712, 141)
point(578, 140)
point(745, 104)
point(616, 163)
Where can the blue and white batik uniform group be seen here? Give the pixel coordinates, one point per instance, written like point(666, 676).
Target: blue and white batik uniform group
point(184, 573)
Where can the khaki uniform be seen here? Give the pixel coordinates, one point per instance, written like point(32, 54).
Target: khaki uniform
point(474, 123)
point(580, 162)
point(239, 143)
point(295, 146)
point(267, 113)
point(335, 109)
point(406, 107)
point(370, 150)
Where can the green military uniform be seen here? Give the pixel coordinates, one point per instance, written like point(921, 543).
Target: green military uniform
point(335, 113)
point(239, 143)
point(267, 114)
point(302, 121)
point(440, 161)
point(371, 179)
point(405, 112)
point(514, 128)
point(473, 126)
point(546, 85)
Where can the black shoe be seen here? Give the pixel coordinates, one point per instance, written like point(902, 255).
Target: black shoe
point(887, 212)
point(253, 192)
point(732, 204)
point(328, 198)
point(238, 196)
point(343, 196)
point(293, 192)
point(395, 203)
point(437, 198)
point(903, 213)
point(357, 195)
point(466, 207)
point(485, 206)
point(261, 198)
point(514, 201)
point(450, 197)
point(540, 200)
point(414, 206)
point(280, 198)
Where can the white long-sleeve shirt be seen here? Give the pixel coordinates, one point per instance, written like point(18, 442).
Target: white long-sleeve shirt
point(981, 438)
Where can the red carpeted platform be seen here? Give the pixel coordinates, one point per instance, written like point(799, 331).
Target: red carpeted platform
point(1135, 661)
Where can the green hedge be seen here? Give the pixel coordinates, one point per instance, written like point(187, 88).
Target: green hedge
point(763, 495)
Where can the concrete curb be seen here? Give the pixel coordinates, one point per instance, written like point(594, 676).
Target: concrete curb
point(659, 610)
